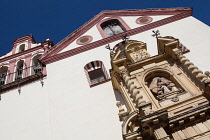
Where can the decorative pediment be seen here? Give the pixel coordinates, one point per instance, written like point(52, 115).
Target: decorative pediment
point(59, 51)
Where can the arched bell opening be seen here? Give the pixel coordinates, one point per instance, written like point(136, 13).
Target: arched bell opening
point(19, 70)
point(36, 66)
point(3, 75)
point(21, 48)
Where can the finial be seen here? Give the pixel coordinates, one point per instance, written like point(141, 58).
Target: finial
point(124, 38)
point(108, 47)
point(48, 39)
point(156, 33)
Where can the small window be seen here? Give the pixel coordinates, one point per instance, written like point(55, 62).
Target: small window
point(96, 73)
point(112, 27)
point(22, 48)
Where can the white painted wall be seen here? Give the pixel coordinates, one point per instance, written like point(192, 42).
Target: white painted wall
point(25, 116)
point(67, 108)
point(78, 111)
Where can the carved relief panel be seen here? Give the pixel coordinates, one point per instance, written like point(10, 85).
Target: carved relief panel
point(136, 51)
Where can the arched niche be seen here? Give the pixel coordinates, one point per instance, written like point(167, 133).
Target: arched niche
point(3, 75)
point(19, 70)
point(36, 67)
point(163, 85)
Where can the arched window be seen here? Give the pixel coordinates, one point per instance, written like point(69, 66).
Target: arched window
point(36, 66)
point(19, 70)
point(96, 73)
point(22, 48)
point(3, 74)
point(112, 27)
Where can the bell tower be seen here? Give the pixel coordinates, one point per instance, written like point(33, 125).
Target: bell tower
point(166, 96)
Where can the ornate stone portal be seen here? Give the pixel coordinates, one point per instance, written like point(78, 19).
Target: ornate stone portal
point(166, 96)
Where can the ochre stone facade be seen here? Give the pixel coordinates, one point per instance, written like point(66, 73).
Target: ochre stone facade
point(166, 96)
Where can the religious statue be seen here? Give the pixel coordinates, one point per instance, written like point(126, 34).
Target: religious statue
point(162, 86)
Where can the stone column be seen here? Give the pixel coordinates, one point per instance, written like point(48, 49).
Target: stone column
point(134, 92)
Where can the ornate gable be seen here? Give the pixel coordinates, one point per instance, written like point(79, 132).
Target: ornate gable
point(57, 53)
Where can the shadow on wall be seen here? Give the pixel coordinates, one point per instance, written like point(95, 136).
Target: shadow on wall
point(119, 97)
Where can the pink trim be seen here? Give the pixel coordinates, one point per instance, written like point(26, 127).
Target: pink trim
point(102, 21)
point(148, 18)
point(69, 39)
point(24, 38)
point(42, 52)
point(21, 53)
point(14, 49)
point(27, 62)
point(46, 59)
point(11, 70)
point(44, 71)
point(90, 38)
point(29, 44)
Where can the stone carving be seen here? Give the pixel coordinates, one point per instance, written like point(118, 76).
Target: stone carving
point(139, 55)
point(122, 113)
point(194, 69)
point(162, 87)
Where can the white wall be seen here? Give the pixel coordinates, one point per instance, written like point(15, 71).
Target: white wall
point(67, 108)
point(25, 116)
point(78, 111)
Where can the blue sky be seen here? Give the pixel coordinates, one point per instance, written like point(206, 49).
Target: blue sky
point(55, 19)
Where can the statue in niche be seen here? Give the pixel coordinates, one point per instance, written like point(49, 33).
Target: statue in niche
point(161, 86)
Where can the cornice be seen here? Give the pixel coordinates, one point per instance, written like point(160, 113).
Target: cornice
point(43, 44)
point(52, 56)
point(69, 39)
point(21, 39)
point(20, 53)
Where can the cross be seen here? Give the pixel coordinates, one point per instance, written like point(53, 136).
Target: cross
point(156, 33)
point(124, 37)
point(108, 47)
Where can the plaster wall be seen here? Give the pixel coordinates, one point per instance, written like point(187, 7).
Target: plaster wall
point(25, 116)
point(78, 111)
point(67, 108)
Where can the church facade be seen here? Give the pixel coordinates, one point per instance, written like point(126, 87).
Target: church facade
point(124, 75)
